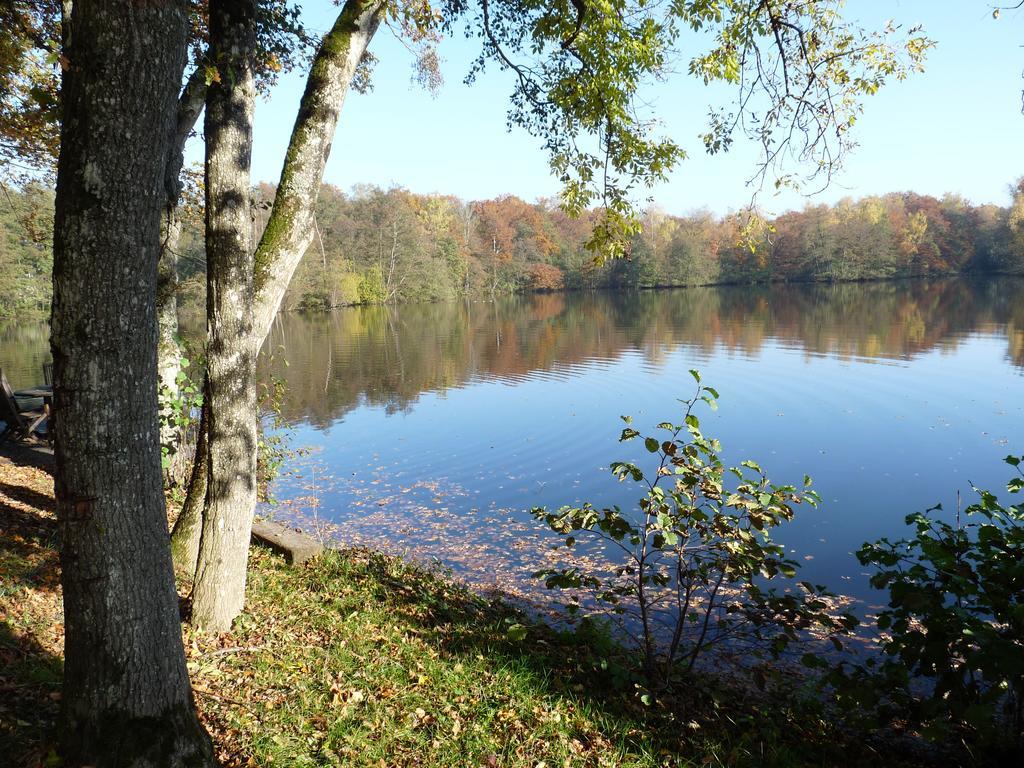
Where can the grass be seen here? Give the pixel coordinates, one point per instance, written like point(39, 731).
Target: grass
point(393, 666)
point(361, 659)
point(376, 662)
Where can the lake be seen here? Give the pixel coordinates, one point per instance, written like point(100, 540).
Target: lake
point(433, 429)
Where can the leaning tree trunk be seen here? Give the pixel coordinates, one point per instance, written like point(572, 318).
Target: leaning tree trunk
point(190, 104)
point(189, 525)
point(290, 230)
point(185, 535)
point(218, 594)
point(220, 573)
point(126, 697)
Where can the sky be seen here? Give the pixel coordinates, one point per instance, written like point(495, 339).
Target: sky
point(957, 127)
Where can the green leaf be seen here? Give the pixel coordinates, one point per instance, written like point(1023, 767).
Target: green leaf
point(651, 445)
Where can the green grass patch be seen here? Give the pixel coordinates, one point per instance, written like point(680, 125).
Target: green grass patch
point(361, 659)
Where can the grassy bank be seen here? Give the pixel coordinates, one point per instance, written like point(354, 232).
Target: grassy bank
point(361, 659)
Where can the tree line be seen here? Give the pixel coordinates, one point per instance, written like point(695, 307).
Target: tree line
point(26, 251)
point(376, 246)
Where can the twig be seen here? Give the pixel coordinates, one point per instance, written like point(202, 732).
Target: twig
point(236, 649)
point(211, 694)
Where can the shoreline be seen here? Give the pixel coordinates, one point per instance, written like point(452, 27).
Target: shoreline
point(628, 289)
point(361, 658)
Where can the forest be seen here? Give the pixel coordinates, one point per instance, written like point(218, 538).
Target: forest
point(375, 246)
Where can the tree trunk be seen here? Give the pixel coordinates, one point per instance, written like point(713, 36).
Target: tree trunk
point(218, 594)
point(189, 525)
point(185, 536)
point(289, 230)
point(190, 105)
point(126, 698)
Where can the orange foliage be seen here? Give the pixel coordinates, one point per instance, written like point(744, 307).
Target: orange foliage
point(546, 277)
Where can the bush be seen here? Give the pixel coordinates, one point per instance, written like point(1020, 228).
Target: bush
point(178, 413)
point(546, 277)
point(314, 301)
point(371, 287)
point(697, 556)
point(347, 289)
point(955, 617)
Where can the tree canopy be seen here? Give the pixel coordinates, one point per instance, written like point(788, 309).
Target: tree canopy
point(799, 73)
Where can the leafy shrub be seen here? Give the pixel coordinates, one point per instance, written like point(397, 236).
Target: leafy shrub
point(273, 443)
point(347, 288)
point(344, 291)
point(371, 287)
point(697, 556)
point(955, 617)
point(178, 413)
point(314, 301)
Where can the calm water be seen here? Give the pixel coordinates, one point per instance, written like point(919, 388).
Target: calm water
point(434, 428)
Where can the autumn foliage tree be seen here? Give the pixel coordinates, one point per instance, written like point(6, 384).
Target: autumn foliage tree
point(436, 247)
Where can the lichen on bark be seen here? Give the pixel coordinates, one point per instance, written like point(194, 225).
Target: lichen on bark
point(219, 590)
point(289, 228)
point(126, 697)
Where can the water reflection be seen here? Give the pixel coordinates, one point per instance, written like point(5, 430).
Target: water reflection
point(23, 350)
point(458, 418)
point(390, 356)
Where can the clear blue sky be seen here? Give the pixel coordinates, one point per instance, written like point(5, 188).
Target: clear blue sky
point(957, 127)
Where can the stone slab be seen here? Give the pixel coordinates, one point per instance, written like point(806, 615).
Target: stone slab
point(296, 546)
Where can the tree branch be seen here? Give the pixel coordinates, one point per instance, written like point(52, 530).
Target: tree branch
point(190, 105)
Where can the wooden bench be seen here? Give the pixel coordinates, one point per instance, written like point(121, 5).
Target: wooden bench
point(20, 422)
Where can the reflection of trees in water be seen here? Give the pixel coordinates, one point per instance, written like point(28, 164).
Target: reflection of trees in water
point(23, 350)
point(388, 356)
